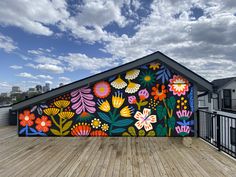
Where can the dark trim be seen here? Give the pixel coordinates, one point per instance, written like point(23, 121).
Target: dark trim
point(202, 83)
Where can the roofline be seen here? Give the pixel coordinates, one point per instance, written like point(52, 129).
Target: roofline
point(227, 83)
point(200, 81)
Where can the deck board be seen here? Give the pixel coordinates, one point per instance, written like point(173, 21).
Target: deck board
point(115, 157)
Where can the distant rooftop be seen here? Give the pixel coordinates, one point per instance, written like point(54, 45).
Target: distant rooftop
point(221, 82)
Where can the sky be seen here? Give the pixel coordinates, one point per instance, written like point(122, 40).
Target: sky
point(59, 41)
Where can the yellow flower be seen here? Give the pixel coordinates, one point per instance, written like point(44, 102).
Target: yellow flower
point(154, 66)
point(104, 106)
point(105, 127)
point(62, 103)
point(119, 83)
point(132, 74)
point(51, 111)
point(96, 123)
point(126, 112)
point(132, 87)
point(117, 100)
point(66, 115)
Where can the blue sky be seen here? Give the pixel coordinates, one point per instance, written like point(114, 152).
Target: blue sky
point(63, 41)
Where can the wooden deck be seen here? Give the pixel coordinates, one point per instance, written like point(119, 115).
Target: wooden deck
point(109, 157)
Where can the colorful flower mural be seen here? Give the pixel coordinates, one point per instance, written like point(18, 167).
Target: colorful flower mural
point(150, 100)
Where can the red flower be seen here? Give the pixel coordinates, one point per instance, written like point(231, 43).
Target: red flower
point(43, 124)
point(98, 133)
point(81, 129)
point(26, 118)
point(159, 94)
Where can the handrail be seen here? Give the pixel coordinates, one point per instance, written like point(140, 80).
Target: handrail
point(217, 114)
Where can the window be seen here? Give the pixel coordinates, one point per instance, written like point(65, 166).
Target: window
point(233, 135)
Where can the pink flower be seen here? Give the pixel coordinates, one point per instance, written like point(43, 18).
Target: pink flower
point(143, 94)
point(182, 130)
point(132, 100)
point(184, 114)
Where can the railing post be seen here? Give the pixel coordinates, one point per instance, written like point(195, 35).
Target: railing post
point(198, 123)
point(218, 131)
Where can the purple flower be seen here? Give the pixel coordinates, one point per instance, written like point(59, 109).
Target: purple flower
point(132, 99)
point(143, 94)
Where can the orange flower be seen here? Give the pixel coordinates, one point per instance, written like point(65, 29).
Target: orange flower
point(26, 118)
point(43, 124)
point(98, 133)
point(159, 94)
point(81, 129)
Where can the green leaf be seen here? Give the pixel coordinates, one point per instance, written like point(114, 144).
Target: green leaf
point(161, 112)
point(67, 125)
point(161, 131)
point(66, 133)
point(55, 132)
point(144, 103)
point(132, 131)
point(171, 102)
point(171, 122)
point(118, 130)
point(123, 123)
point(151, 133)
point(141, 133)
point(104, 117)
point(126, 134)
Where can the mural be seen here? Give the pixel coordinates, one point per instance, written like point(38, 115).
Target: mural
point(151, 100)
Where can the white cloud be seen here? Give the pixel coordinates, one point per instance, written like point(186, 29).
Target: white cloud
point(47, 67)
point(7, 44)
point(33, 16)
point(26, 75)
point(49, 82)
point(30, 76)
point(64, 80)
point(76, 61)
point(41, 76)
point(16, 67)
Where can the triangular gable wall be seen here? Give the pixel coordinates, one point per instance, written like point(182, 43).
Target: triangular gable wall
point(150, 100)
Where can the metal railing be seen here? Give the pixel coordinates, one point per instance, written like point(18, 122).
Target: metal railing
point(219, 130)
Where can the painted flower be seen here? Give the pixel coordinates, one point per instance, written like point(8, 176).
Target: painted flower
point(43, 124)
point(183, 130)
point(98, 133)
point(105, 127)
point(132, 87)
point(119, 83)
point(26, 118)
point(81, 129)
point(102, 89)
point(179, 85)
point(96, 123)
point(62, 103)
point(104, 105)
point(132, 74)
point(143, 94)
point(147, 78)
point(154, 65)
point(145, 119)
point(159, 92)
point(132, 100)
point(183, 114)
point(117, 100)
point(51, 111)
point(126, 111)
point(66, 115)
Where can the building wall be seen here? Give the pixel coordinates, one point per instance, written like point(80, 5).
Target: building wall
point(151, 100)
point(4, 116)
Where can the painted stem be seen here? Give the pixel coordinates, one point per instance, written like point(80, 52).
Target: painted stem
point(55, 122)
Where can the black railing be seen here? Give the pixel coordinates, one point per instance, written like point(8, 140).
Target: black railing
point(219, 130)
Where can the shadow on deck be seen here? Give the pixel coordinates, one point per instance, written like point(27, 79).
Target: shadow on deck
point(109, 157)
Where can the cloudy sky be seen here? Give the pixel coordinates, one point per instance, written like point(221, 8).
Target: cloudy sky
point(63, 41)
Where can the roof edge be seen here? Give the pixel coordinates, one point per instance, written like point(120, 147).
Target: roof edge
point(201, 82)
